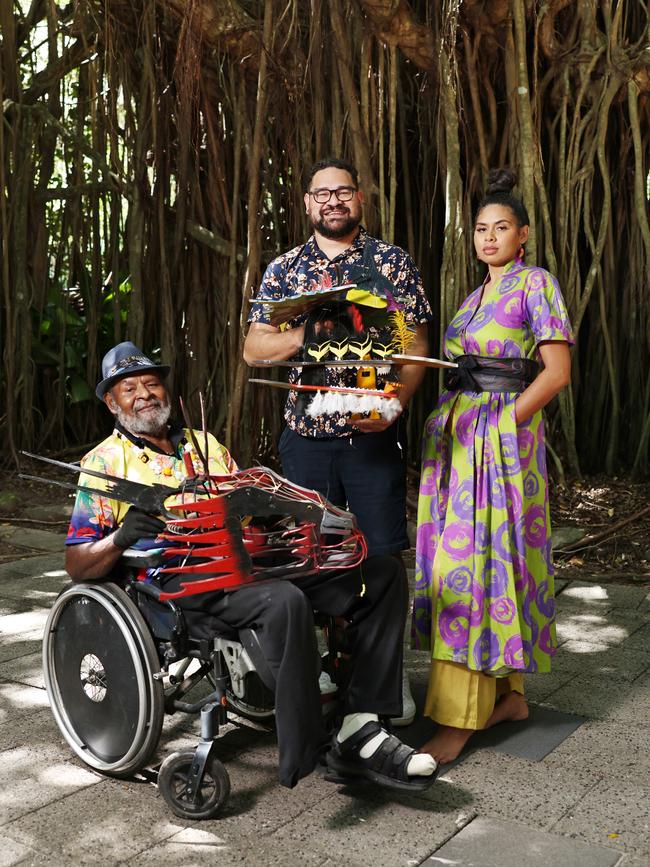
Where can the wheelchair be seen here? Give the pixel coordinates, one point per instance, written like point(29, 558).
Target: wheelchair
point(116, 660)
point(118, 656)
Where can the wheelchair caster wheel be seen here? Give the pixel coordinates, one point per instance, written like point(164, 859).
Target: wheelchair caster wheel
point(213, 792)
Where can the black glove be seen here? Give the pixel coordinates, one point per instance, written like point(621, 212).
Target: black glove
point(135, 526)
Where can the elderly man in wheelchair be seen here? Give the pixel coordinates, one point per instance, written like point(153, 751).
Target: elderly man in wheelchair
point(185, 568)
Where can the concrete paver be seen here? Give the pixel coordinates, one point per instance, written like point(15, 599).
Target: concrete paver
point(587, 594)
point(602, 628)
point(38, 565)
point(632, 861)
point(18, 699)
point(26, 537)
point(12, 606)
point(540, 686)
point(108, 819)
point(34, 776)
point(38, 584)
point(619, 662)
point(514, 789)
point(618, 750)
point(488, 843)
point(613, 810)
point(13, 853)
point(27, 669)
point(29, 643)
point(645, 605)
point(30, 729)
point(372, 828)
point(591, 791)
point(199, 847)
point(640, 638)
point(604, 698)
point(16, 624)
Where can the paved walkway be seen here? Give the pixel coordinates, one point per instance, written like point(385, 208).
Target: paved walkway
point(586, 803)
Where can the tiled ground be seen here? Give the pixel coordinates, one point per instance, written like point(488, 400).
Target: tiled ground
point(586, 800)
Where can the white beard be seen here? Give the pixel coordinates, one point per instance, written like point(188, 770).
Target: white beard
point(153, 424)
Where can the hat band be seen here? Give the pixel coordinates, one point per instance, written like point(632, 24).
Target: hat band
point(129, 361)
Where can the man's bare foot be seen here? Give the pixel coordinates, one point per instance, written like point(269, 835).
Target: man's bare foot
point(511, 707)
point(446, 744)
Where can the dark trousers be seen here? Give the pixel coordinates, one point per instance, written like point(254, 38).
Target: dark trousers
point(365, 473)
point(281, 612)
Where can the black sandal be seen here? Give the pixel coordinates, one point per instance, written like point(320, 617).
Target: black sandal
point(386, 766)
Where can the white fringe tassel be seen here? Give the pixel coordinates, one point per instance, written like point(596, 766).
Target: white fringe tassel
point(329, 402)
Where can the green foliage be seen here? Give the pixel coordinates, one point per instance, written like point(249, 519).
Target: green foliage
point(60, 334)
point(146, 138)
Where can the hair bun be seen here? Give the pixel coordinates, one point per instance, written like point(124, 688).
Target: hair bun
point(500, 181)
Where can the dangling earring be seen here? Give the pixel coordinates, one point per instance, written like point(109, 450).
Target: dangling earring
point(521, 252)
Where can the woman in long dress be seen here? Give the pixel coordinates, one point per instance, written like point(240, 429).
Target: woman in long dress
point(484, 603)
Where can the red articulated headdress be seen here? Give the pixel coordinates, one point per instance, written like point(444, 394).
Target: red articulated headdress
point(255, 525)
point(227, 531)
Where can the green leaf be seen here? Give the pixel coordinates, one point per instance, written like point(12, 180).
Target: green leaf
point(79, 389)
point(42, 354)
point(73, 357)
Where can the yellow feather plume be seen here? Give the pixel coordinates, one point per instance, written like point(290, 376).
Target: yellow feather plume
point(401, 335)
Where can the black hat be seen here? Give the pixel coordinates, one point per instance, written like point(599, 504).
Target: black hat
point(123, 360)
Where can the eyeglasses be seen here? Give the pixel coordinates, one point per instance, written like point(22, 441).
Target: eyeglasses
point(343, 194)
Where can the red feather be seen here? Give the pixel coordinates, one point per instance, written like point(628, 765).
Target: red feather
point(355, 316)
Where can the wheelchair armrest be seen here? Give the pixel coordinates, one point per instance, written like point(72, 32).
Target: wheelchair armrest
point(134, 558)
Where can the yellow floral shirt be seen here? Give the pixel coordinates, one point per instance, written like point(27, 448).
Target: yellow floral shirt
point(95, 517)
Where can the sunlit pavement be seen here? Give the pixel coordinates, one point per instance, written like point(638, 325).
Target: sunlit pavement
point(586, 803)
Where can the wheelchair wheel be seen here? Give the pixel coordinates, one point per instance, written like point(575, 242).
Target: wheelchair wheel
point(173, 777)
point(99, 662)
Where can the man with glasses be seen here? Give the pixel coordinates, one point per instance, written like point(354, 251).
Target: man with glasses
point(359, 464)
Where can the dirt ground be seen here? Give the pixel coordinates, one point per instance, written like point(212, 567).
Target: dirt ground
point(616, 513)
point(613, 513)
point(25, 503)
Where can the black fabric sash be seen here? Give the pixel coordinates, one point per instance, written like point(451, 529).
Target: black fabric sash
point(481, 373)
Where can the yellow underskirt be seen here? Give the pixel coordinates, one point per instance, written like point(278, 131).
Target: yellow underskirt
point(462, 698)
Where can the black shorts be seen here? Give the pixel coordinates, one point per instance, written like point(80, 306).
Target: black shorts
point(365, 473)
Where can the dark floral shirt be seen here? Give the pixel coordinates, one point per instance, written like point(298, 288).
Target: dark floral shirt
point(294, 272)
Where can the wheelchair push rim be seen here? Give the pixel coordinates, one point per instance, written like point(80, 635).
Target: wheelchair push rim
point(99, 662)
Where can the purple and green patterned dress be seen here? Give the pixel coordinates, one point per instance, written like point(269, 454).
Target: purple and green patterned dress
point(483, 511)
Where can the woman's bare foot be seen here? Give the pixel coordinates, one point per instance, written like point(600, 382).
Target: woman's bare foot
point(446, 744)
point(511, 707)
